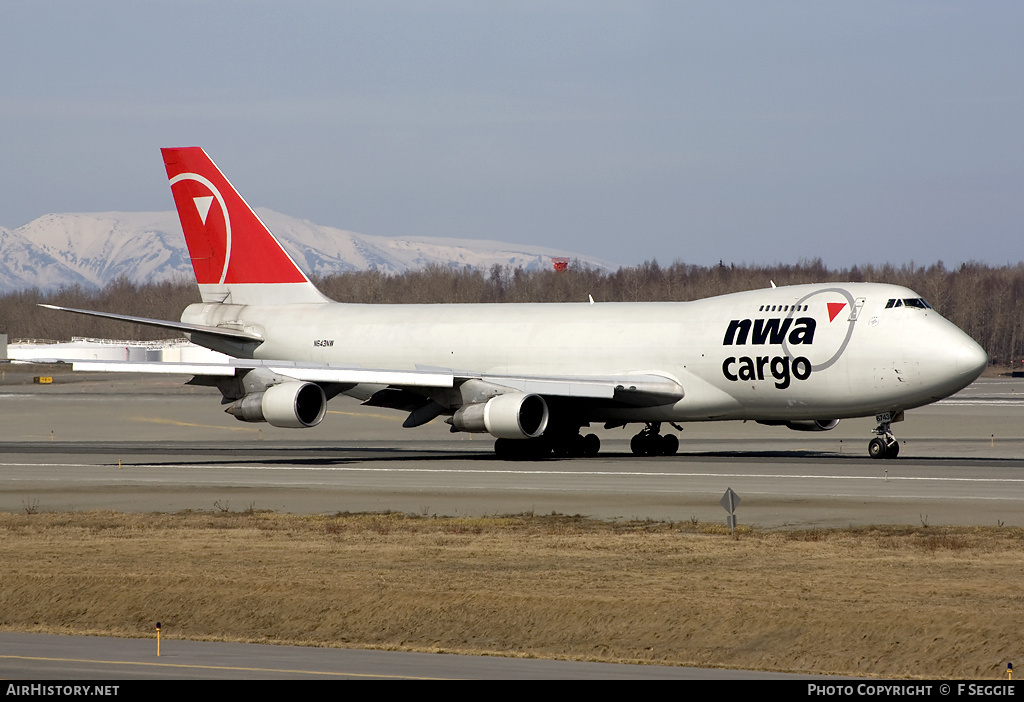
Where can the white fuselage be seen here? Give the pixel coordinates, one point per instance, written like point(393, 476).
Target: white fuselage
point(824, 351)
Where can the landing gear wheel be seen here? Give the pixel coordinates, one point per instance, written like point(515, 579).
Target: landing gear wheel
point(669, 445)
point(638, 445)
point(650, 442)
point(877, 448)
point(880, 448)
point(567, 445)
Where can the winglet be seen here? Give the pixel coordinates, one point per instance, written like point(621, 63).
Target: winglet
point(235, 257)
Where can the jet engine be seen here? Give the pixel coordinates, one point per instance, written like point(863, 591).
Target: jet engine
point(513, 415)
point(293, 405)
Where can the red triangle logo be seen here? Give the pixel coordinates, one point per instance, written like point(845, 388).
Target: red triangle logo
point(834, 308)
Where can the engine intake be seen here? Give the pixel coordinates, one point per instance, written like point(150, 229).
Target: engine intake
point(292, 405)
point(513, 415)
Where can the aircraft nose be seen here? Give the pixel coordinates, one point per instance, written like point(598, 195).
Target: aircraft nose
point(971, 359)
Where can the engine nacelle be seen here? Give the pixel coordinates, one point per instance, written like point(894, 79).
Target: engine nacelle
point(813, 424)
point(292, 405)
point(514, 415)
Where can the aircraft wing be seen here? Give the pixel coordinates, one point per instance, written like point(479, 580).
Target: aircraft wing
point(309, 372)
point(639, 390)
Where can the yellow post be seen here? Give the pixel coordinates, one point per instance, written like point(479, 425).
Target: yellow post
point(158, 639)
point(1009, 671)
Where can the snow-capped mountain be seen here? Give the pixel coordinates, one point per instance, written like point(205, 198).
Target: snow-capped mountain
point(92, 249)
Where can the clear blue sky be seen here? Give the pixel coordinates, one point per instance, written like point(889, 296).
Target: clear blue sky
point(751, 132)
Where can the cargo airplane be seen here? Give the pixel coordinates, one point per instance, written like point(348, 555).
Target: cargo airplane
point(534, 375)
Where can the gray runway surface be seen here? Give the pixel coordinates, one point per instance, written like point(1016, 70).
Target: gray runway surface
point(49, 657)
point(144, 444)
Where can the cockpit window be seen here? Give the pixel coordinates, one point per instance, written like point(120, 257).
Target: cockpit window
point(908, 302)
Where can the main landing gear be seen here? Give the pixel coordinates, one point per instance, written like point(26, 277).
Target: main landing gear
point(568, 445)
point(885, 444)
point(650, 442)
point(577, 446)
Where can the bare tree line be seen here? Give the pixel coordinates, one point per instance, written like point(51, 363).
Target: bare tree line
point(986, 302)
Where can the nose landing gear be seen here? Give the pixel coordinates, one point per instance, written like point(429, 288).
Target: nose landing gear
point(885, 444)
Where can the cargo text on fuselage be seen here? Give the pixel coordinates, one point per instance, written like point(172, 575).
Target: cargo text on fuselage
point(772, 331)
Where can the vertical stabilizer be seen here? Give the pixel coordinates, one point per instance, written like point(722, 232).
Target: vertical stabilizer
point(236, 259)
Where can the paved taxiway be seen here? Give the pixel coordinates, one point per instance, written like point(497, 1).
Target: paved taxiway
point(149, 444)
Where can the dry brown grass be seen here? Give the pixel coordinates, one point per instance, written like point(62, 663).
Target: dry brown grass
point(888, 601)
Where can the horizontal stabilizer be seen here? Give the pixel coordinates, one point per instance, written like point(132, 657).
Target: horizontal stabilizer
point(233, 334)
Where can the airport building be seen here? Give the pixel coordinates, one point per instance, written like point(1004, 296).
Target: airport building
point(85, 349)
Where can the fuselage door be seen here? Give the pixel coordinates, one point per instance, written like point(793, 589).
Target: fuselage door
point(855, 310)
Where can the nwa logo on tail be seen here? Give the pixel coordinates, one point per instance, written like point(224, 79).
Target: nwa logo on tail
point(211, 252)
point(213, 215)
point(787, 332)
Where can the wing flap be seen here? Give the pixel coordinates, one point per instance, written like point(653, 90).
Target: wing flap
point(637, 390)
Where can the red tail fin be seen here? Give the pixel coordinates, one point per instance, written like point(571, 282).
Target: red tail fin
point(231, 249)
